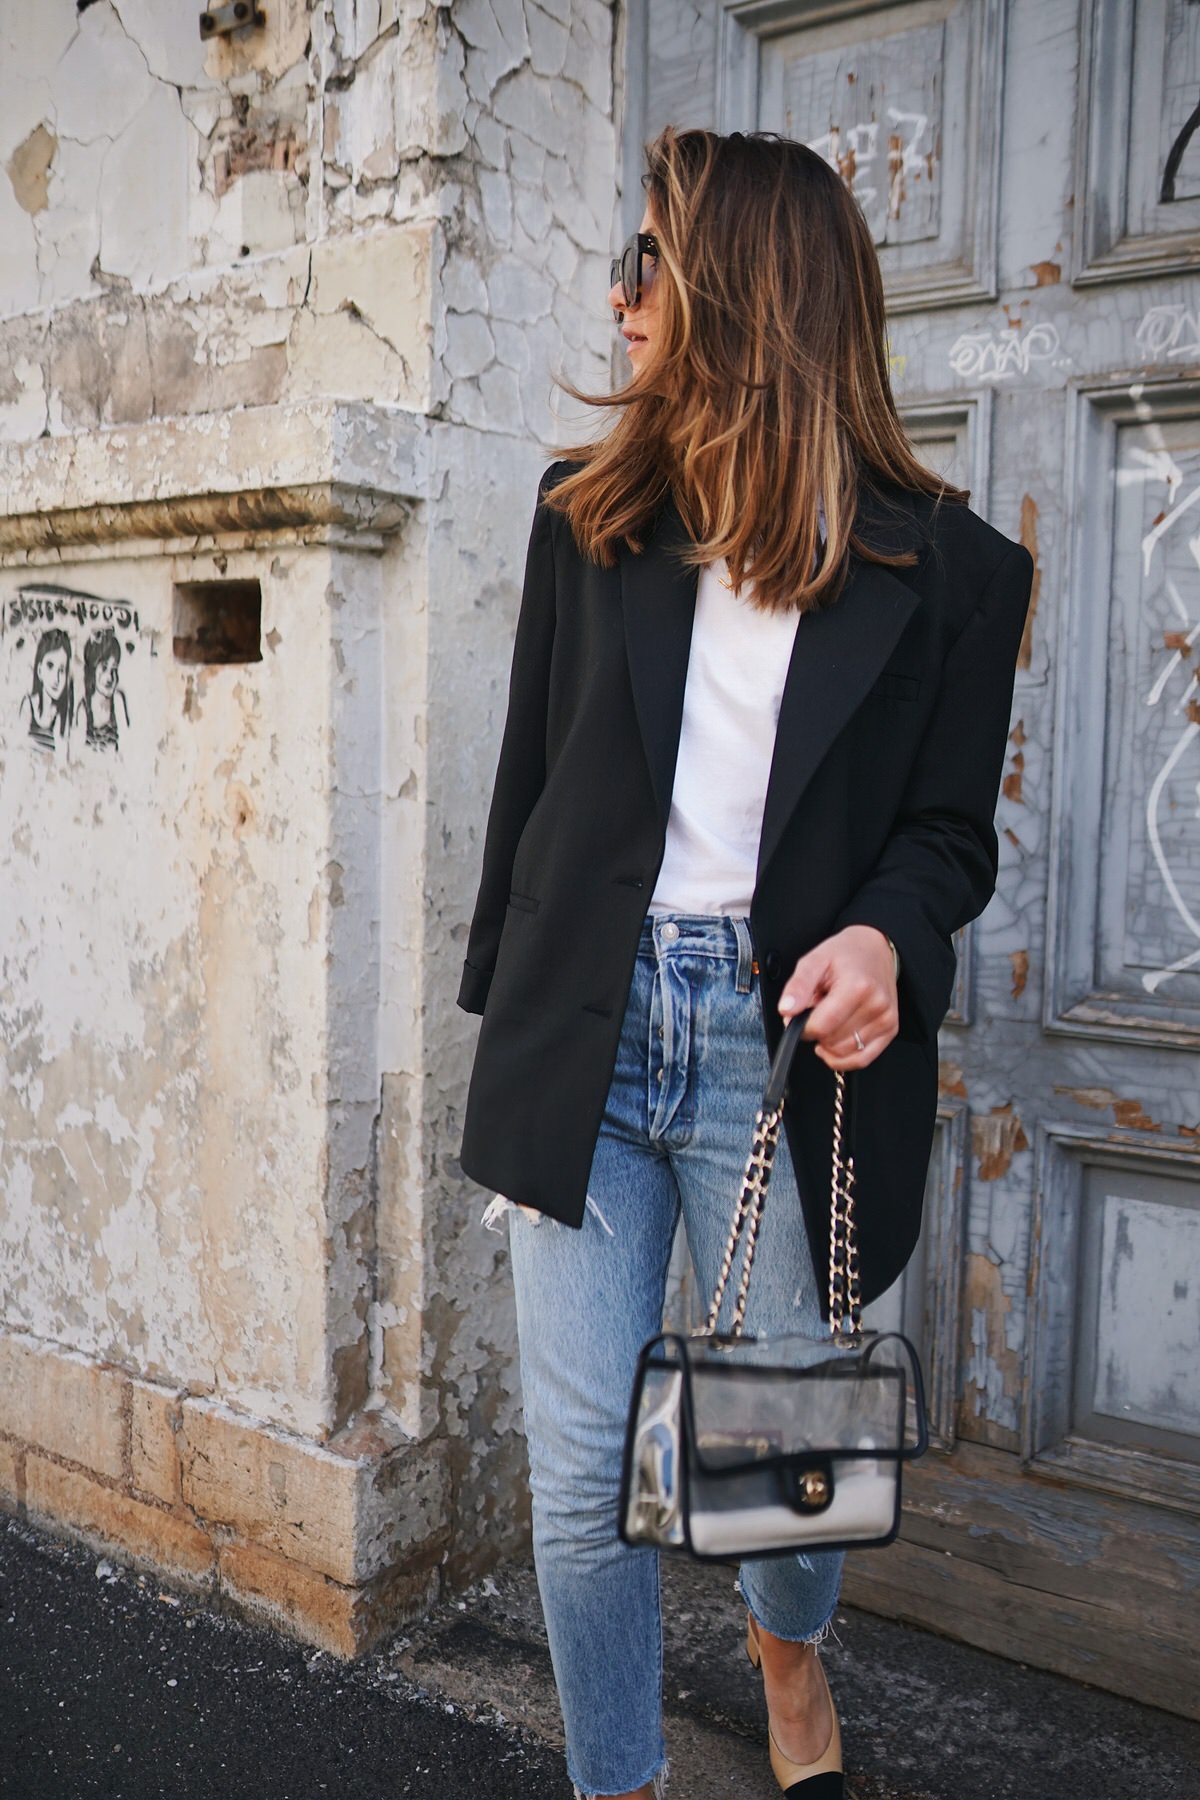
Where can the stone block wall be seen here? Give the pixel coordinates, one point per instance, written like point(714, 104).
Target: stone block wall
point(331, 1542)
point(279, 309)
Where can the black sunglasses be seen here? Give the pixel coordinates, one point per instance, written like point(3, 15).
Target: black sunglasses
point(627, 268)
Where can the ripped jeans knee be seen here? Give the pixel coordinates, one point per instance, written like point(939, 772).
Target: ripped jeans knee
point(499, 1206)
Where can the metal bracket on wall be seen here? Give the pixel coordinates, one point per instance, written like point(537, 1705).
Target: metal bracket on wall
point(220, 21)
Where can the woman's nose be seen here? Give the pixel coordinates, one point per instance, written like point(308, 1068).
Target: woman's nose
point(616, 297)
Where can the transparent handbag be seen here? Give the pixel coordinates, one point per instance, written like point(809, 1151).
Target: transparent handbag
point(739, 1445)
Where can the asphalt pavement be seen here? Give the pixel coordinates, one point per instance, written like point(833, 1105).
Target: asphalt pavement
point(113, 1685)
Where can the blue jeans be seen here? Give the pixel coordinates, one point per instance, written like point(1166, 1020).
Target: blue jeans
point(689, 1076)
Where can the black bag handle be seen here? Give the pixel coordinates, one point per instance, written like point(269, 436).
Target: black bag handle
point(909, 1453)
point(781, 1068)
point(781, 1065)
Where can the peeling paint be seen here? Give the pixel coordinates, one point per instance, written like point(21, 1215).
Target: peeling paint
point(29, 169)
point(1038, 363)
point(950, 1079)
point(1029, 537)
point(996, 1137)
point(229, 1148)
point(1020, 971)
point(249, 148)
point(1011, 784)
point(992, 1373)
point(1126, 1111)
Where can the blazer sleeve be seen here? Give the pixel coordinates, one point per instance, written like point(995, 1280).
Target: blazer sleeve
point(939, 864)
point(521, 772)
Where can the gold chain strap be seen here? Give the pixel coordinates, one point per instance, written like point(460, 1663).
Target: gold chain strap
point(749, 1207)
point(845, 1290)
point(845, 1305)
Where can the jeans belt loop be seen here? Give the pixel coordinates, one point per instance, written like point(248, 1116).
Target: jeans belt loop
point(746, 965)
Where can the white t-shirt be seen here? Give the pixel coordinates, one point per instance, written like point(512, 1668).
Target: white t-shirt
point(736, 672)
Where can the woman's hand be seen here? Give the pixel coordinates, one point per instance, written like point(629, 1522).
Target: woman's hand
point(849, 981)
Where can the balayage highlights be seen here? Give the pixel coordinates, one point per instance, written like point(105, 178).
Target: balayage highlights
point(767, 392)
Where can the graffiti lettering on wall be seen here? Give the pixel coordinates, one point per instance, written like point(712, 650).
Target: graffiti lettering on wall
point(1170, 330)
point(854, 153)
point(67, 657)
point(1002, 355)
point(1170, 550)
point(1175, 156)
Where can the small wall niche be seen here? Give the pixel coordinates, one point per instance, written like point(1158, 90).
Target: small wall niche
point(218, 621)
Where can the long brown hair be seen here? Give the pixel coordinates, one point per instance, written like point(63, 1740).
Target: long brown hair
point(767, 392)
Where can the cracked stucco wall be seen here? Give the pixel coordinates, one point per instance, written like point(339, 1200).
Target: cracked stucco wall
point(227, 982)
point(163, 1012)
point(398, 202)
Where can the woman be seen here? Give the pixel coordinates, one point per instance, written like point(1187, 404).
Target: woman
point(757, 716)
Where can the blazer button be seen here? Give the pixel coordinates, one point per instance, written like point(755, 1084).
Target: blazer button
point(773, 964)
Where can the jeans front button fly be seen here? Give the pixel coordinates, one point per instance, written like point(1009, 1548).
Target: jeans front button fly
point(670, 932)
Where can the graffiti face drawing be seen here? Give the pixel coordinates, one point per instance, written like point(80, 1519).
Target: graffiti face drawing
point(81, 645)
point(48, 701)
point(52, 674)
point(103, 700)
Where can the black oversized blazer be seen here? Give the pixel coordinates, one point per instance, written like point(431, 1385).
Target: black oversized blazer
point(879, 810)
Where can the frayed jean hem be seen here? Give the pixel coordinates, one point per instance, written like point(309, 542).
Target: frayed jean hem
point(809, 1637)
point(659, 1777)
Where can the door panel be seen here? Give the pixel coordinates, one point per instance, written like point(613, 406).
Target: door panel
point(1137, 1378)
point(925, 1303)
point(1030, 171)
point(1139, 139)
point(1114, 1380)
point(867, 87)
point(1125, 912)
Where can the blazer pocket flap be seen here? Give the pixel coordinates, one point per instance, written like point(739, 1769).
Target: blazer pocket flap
point(523, 902)
point(893, 686)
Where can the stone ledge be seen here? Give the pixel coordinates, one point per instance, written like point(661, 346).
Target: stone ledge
point(262, 467)
point(201, 515)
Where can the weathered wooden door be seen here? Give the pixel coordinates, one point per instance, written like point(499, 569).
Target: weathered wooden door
point(1034, 192)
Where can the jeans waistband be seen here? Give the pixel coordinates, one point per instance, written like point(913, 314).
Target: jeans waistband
point(721, 935)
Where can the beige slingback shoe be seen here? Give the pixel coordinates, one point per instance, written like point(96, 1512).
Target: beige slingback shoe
point(819, 1780)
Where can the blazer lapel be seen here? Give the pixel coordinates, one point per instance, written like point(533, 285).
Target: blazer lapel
point(837, 654)
point(658, 597)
